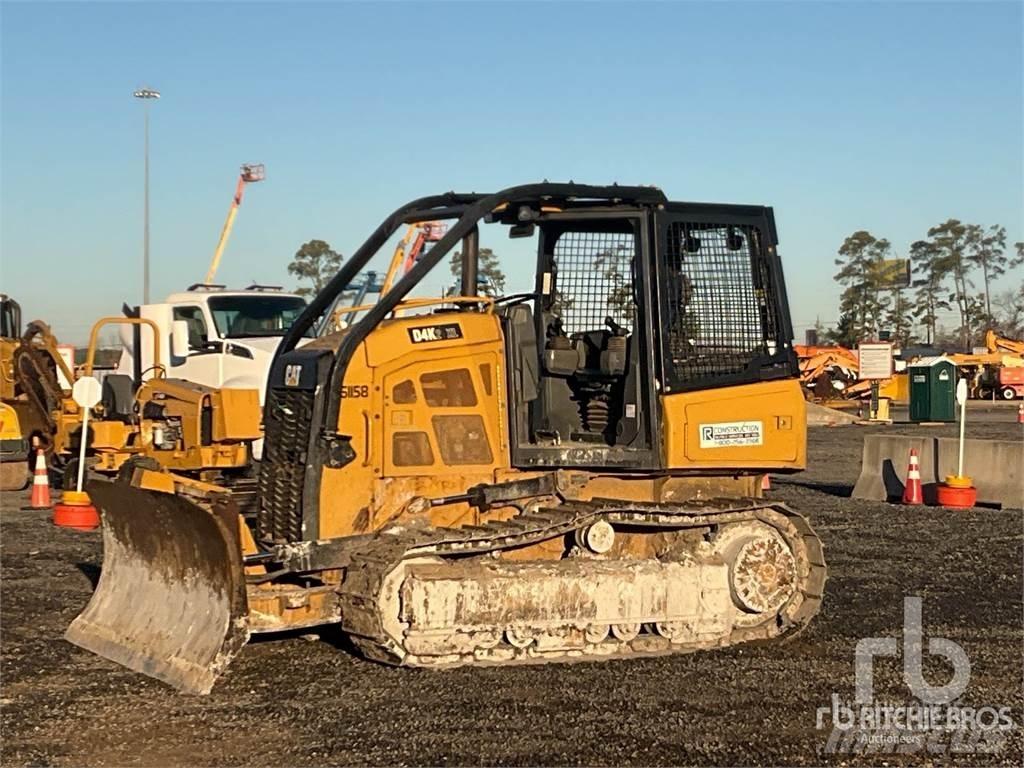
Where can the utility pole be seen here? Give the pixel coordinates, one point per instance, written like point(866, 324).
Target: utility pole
point(147, 95)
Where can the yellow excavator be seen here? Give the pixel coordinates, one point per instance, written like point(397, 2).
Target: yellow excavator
point(1002, 345)
point(571, 473)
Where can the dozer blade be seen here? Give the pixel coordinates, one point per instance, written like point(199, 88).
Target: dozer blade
point(171, 601)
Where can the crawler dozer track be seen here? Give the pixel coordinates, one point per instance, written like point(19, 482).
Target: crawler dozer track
point(444, 597)
point(171, 602)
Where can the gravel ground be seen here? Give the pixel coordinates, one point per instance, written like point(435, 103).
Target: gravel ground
point(291, 701)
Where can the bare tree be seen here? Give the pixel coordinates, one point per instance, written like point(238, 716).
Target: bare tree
point(1010, 318)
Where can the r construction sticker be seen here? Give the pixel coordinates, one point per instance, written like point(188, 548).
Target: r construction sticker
point(726, 434)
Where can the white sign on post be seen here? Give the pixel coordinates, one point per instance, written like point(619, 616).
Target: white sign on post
point(87, 393)
point(875, 360)
point(961, 392)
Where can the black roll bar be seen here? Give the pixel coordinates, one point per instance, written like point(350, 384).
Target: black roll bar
point(470, 208)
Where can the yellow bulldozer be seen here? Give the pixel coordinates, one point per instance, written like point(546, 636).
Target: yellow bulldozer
point(571, 473)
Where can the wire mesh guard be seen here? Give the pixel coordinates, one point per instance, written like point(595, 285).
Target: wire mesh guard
point(718, 319)
point(593, 280)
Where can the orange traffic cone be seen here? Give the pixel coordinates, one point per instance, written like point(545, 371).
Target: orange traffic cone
point(912, 490)
point(40, 484)
point(766, 482)
point(1020, 413)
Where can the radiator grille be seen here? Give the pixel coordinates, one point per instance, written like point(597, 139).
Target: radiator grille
point(593, 280)
point(719, 317)
point(287, 419)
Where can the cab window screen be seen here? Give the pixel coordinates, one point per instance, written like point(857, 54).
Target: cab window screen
point(593, 280)
point(717, 319)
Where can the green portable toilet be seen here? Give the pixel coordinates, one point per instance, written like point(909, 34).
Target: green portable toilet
point(932, 389)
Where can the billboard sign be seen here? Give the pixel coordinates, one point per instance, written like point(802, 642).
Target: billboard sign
point(892, 273)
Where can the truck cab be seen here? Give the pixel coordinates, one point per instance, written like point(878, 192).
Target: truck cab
point(232, 334)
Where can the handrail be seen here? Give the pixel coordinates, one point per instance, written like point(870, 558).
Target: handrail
point(424, 302)
point(103, 321)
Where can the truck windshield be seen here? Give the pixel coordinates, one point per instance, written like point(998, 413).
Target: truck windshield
point(257, 315)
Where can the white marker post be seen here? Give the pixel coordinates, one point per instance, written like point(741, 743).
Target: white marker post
point(961, 398)
point(958, 492)
point(86, 392)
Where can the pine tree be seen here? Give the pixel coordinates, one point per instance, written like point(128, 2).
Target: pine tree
point(317, 262)
point(987, 252)
point(488, 272)
point(844, 334)
point(620, 301)
point(863, 300)
point(929, 296)
point(898, 319)
point(952, 240)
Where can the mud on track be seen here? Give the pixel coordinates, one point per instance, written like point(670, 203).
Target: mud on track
point(291, 701)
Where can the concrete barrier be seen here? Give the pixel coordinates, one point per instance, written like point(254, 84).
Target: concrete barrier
point(995, 466)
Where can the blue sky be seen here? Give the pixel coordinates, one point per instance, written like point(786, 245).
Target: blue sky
point(886, 117)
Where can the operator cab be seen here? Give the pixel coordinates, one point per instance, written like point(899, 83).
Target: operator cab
point(633, 301)
point(635, 298)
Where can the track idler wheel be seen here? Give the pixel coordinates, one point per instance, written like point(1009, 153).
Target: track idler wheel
point(762, 567)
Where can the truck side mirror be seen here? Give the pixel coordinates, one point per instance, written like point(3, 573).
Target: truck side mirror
point(179, 338)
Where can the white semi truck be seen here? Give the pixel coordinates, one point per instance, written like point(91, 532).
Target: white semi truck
point(231, 335)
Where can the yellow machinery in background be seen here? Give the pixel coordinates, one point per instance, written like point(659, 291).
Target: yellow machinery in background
point(1000, 345)
point(15, 413)
point(571, 473)
point(10, 334)
point(985, 372)
point(183, 426)
point(249, 174)
point(354, 300)
point(14, 451)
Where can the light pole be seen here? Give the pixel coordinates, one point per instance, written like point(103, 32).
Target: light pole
point(147, 95)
